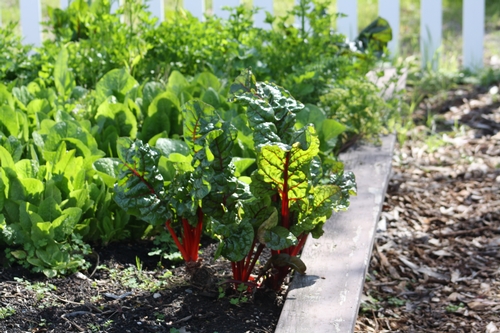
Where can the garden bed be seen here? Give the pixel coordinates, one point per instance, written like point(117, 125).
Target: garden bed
point(128, 291)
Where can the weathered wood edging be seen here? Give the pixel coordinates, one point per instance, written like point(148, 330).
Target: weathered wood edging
point(327, 298)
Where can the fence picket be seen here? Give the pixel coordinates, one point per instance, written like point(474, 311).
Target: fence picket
point(389, 10)
point(260, 17)
point(218, 4)
point(157, 9)
point(431, 26)
point(64, 4)
point(348, 25)
point(115, 4)
point(31, 17)
point(195, 7)
point(473, 33)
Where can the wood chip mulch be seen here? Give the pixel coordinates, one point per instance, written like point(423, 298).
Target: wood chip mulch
point(435, 266)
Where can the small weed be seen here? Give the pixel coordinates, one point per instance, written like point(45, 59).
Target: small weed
point(41, 289)
point(434, 142)
point(454, 308)
point(240, 297)
point(160, 317)
point(369, 305)
point(396, 301)
point(6, 311)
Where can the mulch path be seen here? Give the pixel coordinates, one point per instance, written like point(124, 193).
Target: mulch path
point(436, 262)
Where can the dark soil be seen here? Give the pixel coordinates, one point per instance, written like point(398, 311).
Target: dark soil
point(120, 294)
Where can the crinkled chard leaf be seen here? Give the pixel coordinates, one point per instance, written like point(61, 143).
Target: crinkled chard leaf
point(140, 186)
point(236, 237)
point(271, 110)
point(288, 171)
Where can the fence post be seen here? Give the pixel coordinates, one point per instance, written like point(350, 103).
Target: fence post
point(64, 4)
point(218, 4)
point(115, 4)
point(431, 26)
point(260, 17)
point(157, 9)
point(196, 8)
point(389, 10)
point(473, 33)
point(348, 25)
point(31, 17)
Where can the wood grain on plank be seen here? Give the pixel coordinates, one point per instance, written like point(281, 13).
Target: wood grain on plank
point(327, 298)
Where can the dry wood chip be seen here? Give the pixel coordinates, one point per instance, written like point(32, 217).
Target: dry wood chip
point(424, 270)
point(491, 328)
point(481, 304)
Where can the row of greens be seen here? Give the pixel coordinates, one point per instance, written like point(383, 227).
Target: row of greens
point(120, 129)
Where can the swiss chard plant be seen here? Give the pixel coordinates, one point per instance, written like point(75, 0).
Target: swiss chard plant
point(193, 182)
point(294, 193)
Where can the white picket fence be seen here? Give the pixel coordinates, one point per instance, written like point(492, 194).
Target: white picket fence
point(430, 25)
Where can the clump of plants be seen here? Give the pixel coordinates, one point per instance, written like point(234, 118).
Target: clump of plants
point(290, 194)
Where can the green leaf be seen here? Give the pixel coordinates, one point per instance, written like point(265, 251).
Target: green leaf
point(208, 81)
point(19, 254)
point(116, 82)
point(22, 94)
point(108, 169)
point(329, 134)
point(49, 209)
point(140, 186)
point(41, 233)
point(33, 188)
point(311, 114)
point(271, 110)
point(163, 116)
point(63, 78)
point(27, 168)
point(211, 97)
point(287, 171)
point(242, 164)
point(119, 116)
point(177, 82)
point(64, 225)
point(149, 93)
point(197, 121)
point(6, 160)
point(168, 146)
point(9, 122)
point(376, 35)
point(236, 239)
point(278, 238)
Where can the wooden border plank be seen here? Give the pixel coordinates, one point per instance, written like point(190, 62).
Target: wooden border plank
point(327, 298)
